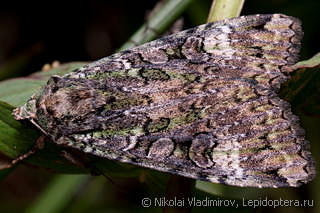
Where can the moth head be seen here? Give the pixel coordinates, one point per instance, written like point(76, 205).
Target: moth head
point(30, 110)
point(27, 111)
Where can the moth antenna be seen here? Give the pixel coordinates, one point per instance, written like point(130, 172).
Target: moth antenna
point(79, 160)
point(38, 145)
point(39, 127)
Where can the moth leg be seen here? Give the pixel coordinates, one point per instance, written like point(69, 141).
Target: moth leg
point(38, 145)
point(73, 158)
point(79, 159)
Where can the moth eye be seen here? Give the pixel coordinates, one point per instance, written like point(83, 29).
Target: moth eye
point(49, 111)
point(40, 111)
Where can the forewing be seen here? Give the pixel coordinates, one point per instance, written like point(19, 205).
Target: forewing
point(201, 103)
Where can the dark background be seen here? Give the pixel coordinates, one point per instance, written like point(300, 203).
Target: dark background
point(35, 33)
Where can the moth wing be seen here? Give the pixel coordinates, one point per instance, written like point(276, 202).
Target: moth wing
point(201, 103)
point(234, 136)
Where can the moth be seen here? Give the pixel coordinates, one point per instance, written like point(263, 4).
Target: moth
point(201, 103)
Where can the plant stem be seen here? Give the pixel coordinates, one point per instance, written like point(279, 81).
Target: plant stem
point(165, 16)
point(223, 9)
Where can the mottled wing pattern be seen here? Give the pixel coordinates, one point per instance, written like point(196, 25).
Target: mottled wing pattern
point(201, 103)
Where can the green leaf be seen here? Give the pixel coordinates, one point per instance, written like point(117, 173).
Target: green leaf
point(58, 194)
point(15, 138)
point(310, 63)
point(18, 138)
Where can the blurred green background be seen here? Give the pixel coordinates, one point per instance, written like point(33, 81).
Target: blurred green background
point(35, 33)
